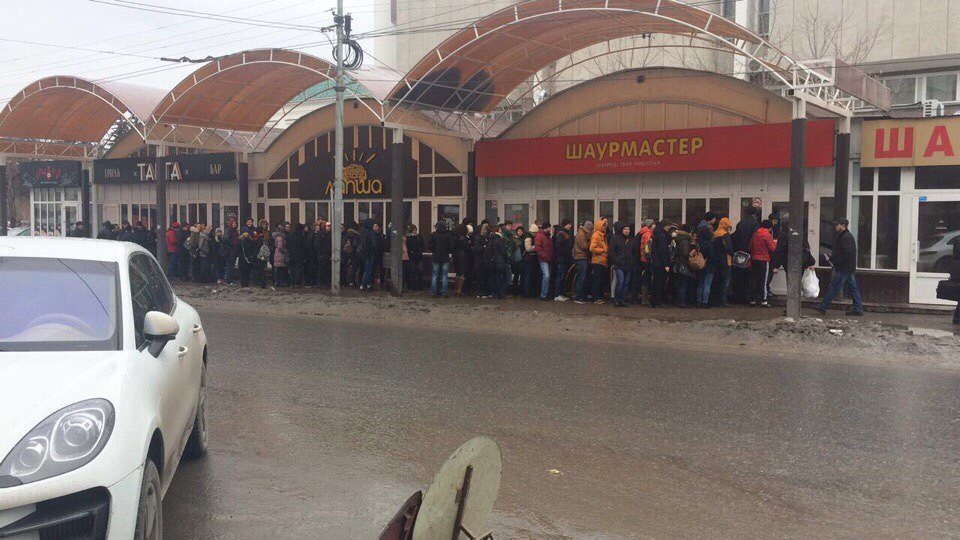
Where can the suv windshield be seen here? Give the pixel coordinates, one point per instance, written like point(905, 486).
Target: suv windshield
point(58, 304)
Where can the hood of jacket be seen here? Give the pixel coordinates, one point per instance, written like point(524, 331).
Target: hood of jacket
point(724, 227)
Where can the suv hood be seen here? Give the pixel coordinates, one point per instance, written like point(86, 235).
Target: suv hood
point(37, 384)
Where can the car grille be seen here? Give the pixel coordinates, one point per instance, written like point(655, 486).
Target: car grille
point(79, 516)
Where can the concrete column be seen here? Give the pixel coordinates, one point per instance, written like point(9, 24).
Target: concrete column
point(160, 178)
point(473, 188)
point(796, 226)
point(85, 207)
point(396, 211)
point(243, 177)
point(841, 179)
point(4, 219)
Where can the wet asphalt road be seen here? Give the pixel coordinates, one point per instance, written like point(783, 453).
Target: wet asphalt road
point(321, 428)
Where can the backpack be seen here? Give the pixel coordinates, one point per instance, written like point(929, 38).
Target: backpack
point(264, 253)
point(697, 261)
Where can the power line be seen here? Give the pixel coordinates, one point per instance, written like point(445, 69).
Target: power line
point(142, 6)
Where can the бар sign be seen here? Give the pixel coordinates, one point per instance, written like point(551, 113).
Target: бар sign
point(182, 168)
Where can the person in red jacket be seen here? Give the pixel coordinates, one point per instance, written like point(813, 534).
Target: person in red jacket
point(762, 247)
point(173, 254)
point(544, 248)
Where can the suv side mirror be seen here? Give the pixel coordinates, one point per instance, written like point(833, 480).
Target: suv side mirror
point(159, 328)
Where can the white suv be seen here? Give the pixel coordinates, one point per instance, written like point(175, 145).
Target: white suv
point(102, 389)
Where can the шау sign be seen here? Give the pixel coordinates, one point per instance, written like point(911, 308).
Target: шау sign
point(180, 168)
point(764, 146)
point(43, 174)
point(914, 142)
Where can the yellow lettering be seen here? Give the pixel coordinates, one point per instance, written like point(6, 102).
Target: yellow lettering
point(628, 149)
point(645, 148)
point(376, 186)
point(658, 147)
point(684, 146)
point(673, 143)
point(602, 150)
point(589, 152)
point(574, 151)
point(613, 149)
point(696, 144)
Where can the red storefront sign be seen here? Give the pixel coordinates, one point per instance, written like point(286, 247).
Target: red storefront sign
point(765, 146)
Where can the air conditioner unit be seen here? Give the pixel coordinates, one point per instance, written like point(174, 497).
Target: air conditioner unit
point(932, 107)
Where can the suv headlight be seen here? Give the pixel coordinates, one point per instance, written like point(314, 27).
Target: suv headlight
point(66, 440)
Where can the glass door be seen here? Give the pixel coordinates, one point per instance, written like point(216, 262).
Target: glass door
point(936, 227)
point(519, 214)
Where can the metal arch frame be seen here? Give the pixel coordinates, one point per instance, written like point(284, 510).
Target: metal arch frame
point(156, 117)
point(512, 102)
point(759, 54)
point(135, 123)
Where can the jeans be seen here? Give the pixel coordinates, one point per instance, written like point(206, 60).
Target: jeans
point(704, 283)
point(837, 283)
point(440, 275)
point(580, 286)
point(623, 283)
point(369, 265)
point(544, 279)
point(723, 274)
point(173, 264)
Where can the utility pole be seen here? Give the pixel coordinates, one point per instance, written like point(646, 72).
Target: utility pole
point(796, 226)
point(3, 196)
point(336, 213)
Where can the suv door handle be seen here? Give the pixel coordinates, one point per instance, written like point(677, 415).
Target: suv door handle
point(182, 352)
point(197, 329)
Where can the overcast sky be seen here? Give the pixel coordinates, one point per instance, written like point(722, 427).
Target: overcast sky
point(86, 24)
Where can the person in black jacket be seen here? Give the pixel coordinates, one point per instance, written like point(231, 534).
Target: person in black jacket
point(562, 258)
point(296, 252)
point(495, 253)
point(441, 244)
point(659, 260)
point(620, 262)
point(741, 237)
point(369, 250)
point(844, 262)
point(413, 249)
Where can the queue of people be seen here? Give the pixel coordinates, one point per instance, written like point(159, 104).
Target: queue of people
point(708, 264)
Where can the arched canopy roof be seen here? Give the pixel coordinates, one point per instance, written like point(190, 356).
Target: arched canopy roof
point(242, 91)
point(65, 108)
point(476, 68)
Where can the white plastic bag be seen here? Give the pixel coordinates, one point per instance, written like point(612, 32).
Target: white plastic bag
point(810, 285)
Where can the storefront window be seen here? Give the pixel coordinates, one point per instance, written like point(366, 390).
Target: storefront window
point(567, 210)
point(673, 211)
point(310, 212)
point(721, 207)
point(889, 179)
point(650, 209)
point(449, 213)
point(627, 210)
point(862, 229)
point(827, 230)
point(490, 211)
point(866, 179)
point(363, 211)
point(938, 178)
point(215, 216)
point(543, 211)
point(606, 209)
point(323, 210)
point(888, 231)
point(585, 211)
point(938, 230)
point(696, 208)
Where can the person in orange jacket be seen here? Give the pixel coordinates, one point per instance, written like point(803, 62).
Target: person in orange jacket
point(599, 252)
point(762, 247)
